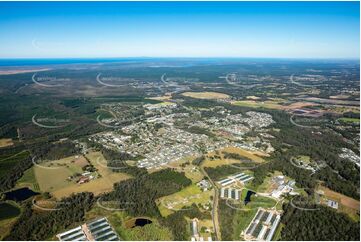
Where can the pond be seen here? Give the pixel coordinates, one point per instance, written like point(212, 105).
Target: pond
point(8, 210)
point(247, 199)
point(141, 222)
point(138, 222)
point(20, 194)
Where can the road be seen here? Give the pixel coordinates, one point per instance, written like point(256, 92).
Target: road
point(214, 207)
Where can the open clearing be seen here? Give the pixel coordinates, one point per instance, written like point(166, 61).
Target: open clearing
point(274, 104)
point(55, 177)
point(6, 142)
point(344, 200)
point(253, 97)
point(185, 165)
point(100, 185)
point(331, 101)
point(186, 197)
point(350, 120)
point(160, 98)
point(255, 156)
point(56, 182)
point(206, 95)
point(28, 180)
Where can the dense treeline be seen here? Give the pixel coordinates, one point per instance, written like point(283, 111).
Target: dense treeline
point(226, 217)
point(318, 225)
point(116, 162)
point(8, 131)
point(138, 195)
point(54, 151)
point(219, 172)
point(235, 156)
point(13, 162)
point(33, 225)
point(9, 178)
point(111, 156)
point(197, 161)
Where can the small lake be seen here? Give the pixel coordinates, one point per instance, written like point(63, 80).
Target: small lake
point(137, 222)
point(20, 194)
point(247, 199)
point(141, 222)
point(8, 210)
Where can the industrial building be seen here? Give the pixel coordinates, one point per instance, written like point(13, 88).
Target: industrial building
point(263, 225)
point(96, 230)
point(241, 177)
point(230, 193)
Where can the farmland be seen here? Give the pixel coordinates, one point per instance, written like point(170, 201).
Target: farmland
point(206, 95)
point(54, 177)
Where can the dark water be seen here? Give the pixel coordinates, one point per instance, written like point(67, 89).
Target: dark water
point(247, 199)
point(20, 194)
point(8, 210)
point(141, 222)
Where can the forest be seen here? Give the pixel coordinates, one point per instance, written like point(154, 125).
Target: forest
point(322, 224)
point(33, 225)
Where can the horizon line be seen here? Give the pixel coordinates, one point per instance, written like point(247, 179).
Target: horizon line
point(183, 57)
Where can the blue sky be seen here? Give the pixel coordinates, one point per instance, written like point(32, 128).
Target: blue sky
point(179, 29)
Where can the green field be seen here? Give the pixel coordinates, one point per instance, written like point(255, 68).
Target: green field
point(349, 120)
point(53, 179)
point(185, 197)
point(28, 180)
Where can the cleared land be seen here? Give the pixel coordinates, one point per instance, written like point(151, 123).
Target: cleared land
point(206, 95)
point(272, 104)
point(28, 180)
point(255, 156)
point(6, 142)
point(54, 176)
point(186, 197)
point(185, 165)
point(160, 98)
point(350, 120)
point(331, 101)
point(56, 182)
point(253, 97)
point(344, 200)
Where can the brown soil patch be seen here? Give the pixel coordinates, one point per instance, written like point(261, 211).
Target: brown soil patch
point(343, 199)
point(6, 142)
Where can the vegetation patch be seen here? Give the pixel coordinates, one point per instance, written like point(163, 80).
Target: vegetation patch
point(184, 198)
point(206, 95)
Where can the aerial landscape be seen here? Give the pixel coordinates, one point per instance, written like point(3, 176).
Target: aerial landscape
point(100, 143)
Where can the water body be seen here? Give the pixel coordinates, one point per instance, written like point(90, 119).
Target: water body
point(140, 222)
point(247, 199)
point(8, 210)
point(20, 194)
